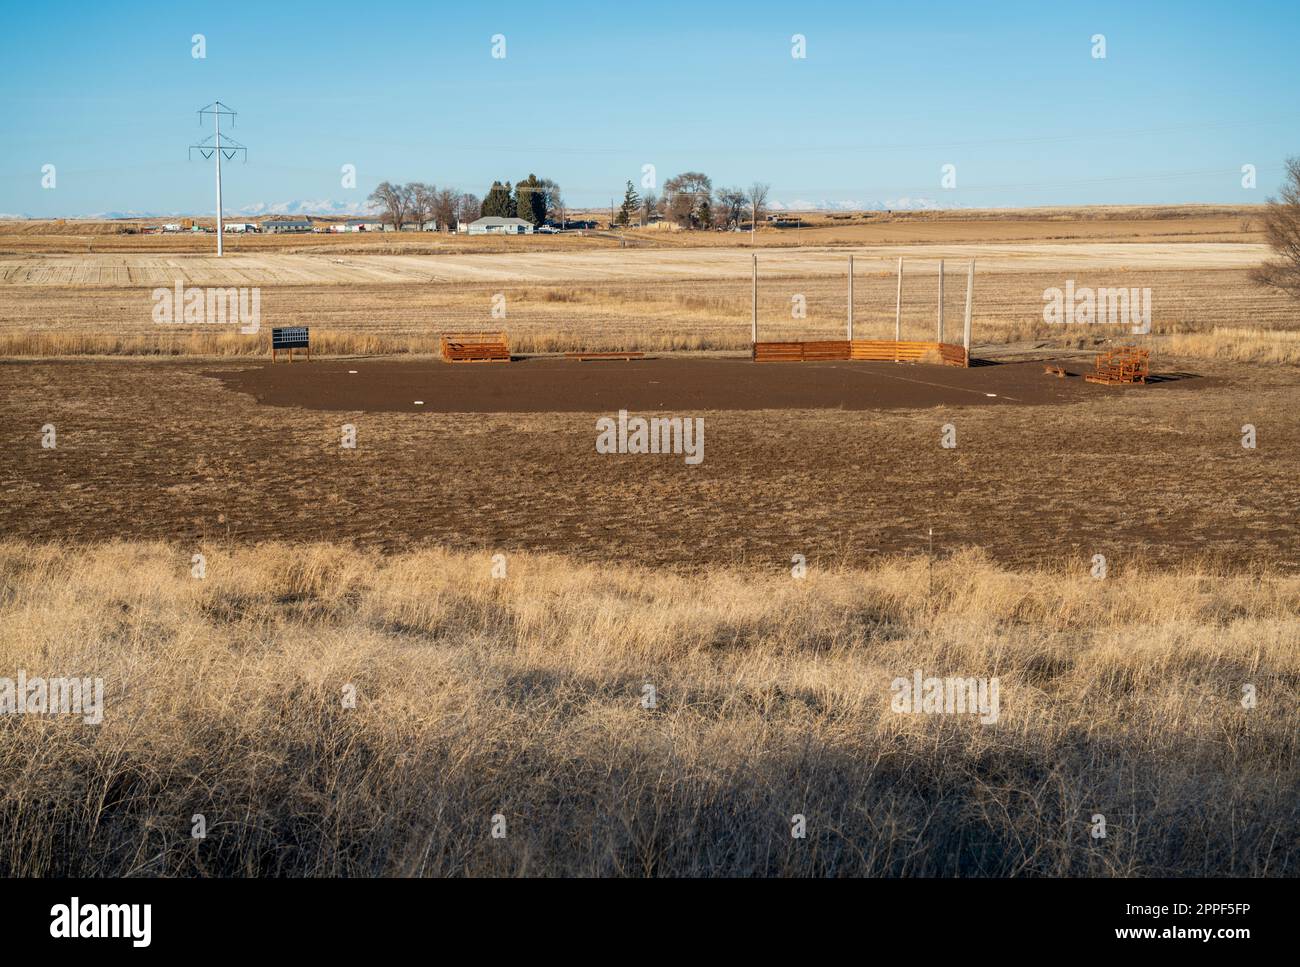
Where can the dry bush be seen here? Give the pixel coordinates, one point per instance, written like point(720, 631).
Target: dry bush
point(522, 697)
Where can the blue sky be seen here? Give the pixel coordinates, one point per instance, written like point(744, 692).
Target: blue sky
point(1009, 93)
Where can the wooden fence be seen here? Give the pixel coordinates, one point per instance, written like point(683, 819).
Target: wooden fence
point(879, 350)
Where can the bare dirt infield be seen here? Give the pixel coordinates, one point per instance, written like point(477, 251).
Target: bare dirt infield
point(683, 385)
point(1149, 476)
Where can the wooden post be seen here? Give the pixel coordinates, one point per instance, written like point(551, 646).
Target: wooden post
point(941, 300)
point(970, 297)
point(753, 324)
point(850, 298)
point(898, 309)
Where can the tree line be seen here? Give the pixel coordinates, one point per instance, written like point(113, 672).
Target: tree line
point(689, 199)
point(417, 203)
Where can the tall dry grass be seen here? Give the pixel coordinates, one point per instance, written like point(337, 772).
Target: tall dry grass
point(521, 697)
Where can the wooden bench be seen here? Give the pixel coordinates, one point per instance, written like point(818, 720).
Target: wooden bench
point(584, 357)
point(1127, 364)
point(475, 347)
point(290, 338)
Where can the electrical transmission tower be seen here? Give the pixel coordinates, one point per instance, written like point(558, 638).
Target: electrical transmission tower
point(213, 146)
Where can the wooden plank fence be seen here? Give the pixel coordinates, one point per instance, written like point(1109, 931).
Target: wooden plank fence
point(879, 350)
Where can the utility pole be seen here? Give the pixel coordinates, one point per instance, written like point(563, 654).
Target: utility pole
point(212, 147)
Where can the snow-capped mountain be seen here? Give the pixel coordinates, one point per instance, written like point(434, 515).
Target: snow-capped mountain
point(823, 205)
point(323, 206)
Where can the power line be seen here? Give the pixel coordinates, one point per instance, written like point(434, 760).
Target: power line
point(211, 147)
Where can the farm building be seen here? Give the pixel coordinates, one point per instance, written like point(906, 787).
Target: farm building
point(495, 225)
point(280, 225)
point(239, 227)
point(372, 224)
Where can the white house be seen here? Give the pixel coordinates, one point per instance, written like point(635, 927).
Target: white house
point(280, 225)
point(495, 225)
point(239, 227)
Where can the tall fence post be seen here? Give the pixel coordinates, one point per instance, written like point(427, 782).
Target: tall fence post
point(898, 309)
point(753, 323)
point(941, 300)
point(970, 298)
point(850, 298)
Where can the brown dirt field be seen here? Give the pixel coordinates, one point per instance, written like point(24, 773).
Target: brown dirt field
point(162, 449)
point(685, 385)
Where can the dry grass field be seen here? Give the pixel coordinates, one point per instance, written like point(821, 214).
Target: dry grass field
point(520, 696)
point(520, 699)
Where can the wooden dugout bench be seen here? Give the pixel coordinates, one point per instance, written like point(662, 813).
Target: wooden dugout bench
point(475, 347)
point(1127, 364)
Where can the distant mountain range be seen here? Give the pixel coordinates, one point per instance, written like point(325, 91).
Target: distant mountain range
point(328, 206)
point(894, 205)
point(259, 210)
point(324, 206)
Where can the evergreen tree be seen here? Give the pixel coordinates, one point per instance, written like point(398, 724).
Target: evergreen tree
point(705, 214)
point(530, 200)
point(630, 203)
point(498, 201)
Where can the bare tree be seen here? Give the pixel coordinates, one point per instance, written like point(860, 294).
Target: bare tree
point(444, 209)
point(731, 205)
point(393, 201)
point(757, 198)
point(421, 200)
point(649, 207)
point(554, 200)
point(468, 207)
point(1282, 229)
point(686, 194)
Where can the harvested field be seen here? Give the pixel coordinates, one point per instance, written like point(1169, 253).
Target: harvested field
point(543, 268)
point(604, 301)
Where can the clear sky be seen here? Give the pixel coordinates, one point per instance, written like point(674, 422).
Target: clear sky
point(588, 93)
